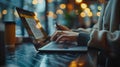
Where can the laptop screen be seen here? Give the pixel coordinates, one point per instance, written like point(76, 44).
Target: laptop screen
point(32, 24)
point(35, 28)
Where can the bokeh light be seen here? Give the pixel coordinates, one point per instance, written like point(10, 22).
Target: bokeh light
point(83, 5)
point(62, 6)
point(78, 1)
point(4, 12)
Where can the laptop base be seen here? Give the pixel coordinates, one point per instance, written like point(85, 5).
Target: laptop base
point(56, 47)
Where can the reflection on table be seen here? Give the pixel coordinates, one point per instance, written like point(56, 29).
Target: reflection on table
point(26, 56)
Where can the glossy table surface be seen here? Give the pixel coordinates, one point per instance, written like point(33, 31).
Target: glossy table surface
point(25, 55)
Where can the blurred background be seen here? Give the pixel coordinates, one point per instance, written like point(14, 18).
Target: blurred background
point(71, 13)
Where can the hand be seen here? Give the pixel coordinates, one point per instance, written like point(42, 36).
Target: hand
point(62, 36)
point(62, 27)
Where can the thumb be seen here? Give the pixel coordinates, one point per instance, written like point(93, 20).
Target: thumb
point(62, 27)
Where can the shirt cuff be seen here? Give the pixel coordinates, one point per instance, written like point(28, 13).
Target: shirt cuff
point(83, 38)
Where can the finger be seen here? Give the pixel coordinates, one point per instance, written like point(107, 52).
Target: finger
point(62, 38)
point(66, 37)
point(61, 27)
point(55, 35)
point(65, 28)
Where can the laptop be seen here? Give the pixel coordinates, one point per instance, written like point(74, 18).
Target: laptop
point(35, 30)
